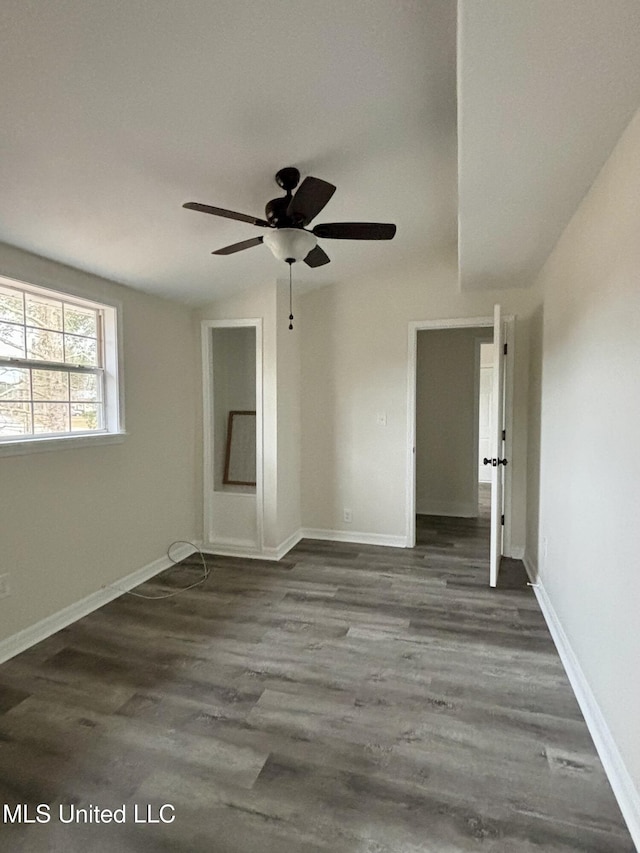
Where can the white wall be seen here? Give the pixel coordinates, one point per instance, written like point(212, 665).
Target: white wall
point(354, 366)
point(74, 520)
point(447, 421)
point(533, 436)
point(589, 454)
point(324, 449)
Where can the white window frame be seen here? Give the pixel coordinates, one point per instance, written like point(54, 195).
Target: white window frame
point(113, 390)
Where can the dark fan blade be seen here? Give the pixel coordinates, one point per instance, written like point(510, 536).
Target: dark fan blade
point(317, 257)
point(238, 247)
point(311, 196)
point(355, 230)
point(228, 214)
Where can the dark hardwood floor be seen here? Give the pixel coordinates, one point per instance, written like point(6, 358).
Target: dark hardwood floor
point(355, 699)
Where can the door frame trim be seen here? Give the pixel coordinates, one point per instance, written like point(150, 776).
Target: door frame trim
point(416, 326)
point(208, 392)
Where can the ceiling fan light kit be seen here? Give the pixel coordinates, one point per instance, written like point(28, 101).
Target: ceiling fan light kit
point(287, 217)
point(290, 244)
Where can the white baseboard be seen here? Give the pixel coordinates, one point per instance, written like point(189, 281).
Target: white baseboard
point(464, 509)
point(224, 549)
point(355, 537)
point(620, 780)
point(28, 637)
point(284, 547)
point(248, 551)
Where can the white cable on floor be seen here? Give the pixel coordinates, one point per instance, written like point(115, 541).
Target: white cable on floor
point(205, 575)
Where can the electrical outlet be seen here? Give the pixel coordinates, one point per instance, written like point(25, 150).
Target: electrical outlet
point(346, 516)
point(5, 589)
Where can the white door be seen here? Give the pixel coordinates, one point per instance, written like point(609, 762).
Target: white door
point(485, 433)
point(498, 461)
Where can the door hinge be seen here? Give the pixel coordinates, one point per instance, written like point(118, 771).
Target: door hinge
point(502, 520)
point(504, 434)
point(505, 348)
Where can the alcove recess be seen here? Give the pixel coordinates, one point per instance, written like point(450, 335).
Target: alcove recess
point(233, 354)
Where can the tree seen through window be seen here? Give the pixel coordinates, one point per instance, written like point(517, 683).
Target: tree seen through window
point(51, 365)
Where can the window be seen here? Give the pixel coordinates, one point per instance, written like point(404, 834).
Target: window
point(58, 366)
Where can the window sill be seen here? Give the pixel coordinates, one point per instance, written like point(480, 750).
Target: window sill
point(60, 442)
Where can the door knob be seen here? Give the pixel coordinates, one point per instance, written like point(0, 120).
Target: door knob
point(502, 461)
point(486, 461)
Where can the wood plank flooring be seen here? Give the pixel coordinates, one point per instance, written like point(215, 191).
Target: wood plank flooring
point(353, 699)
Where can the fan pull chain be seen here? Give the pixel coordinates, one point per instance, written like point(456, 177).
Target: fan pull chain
point(290, 301)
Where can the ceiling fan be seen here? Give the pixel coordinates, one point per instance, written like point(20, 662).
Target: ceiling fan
point(287, 217)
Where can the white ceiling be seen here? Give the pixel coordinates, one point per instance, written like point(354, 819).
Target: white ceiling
point(546, 87)
point(115, 113)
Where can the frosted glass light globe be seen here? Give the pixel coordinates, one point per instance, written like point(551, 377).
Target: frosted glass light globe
point(289, 243)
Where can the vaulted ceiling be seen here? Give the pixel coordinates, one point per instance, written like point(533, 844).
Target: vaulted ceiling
point(546, 87)
point(113, 114)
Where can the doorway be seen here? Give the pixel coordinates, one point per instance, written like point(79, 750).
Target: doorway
point(233, 448)
point(452, 490)
point(447, 404)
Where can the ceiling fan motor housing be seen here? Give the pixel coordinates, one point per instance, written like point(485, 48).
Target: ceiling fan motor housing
point(288, 178)
point(276, 211)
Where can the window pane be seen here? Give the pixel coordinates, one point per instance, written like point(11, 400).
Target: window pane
point(46, 346)
point(11, 307)
point(51, 385)
point(85, 386)
point(43, 312)
point(86, 416)
point(47, 340)
point(14, 384)
point(50, 417)
point(81, 350)
point(15, 419)
point(80, 321)
point(11, 341)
